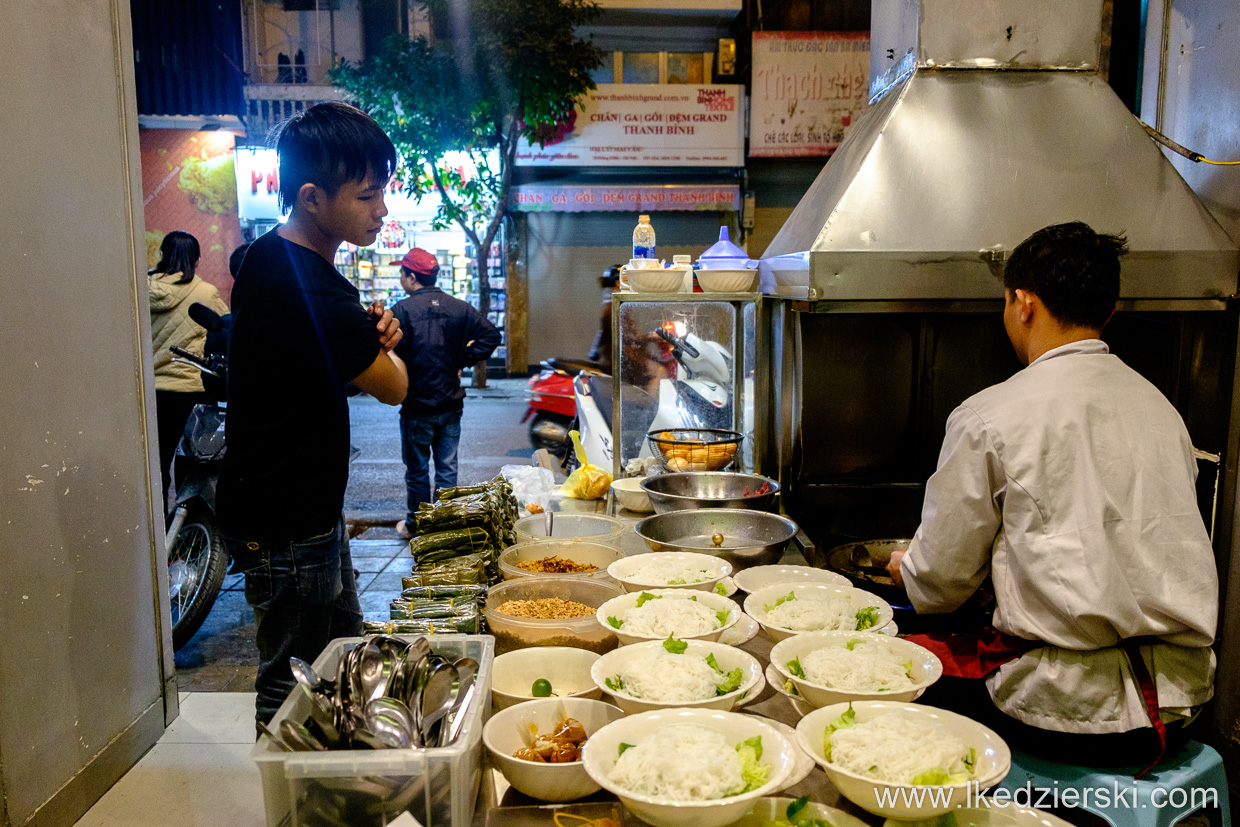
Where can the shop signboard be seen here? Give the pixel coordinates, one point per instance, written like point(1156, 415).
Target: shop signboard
point(808, 89)
point(626, 197)
point(648, 125)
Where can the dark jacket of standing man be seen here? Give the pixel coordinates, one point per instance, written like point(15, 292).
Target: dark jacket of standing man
point(442, 335)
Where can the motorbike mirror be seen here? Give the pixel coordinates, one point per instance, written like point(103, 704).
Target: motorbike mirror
point(678, 344)
point(206, 317)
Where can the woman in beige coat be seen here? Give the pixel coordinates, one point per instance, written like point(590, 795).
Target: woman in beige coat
point(173, 287)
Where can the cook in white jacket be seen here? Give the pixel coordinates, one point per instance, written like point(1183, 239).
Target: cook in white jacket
point(1072, 485)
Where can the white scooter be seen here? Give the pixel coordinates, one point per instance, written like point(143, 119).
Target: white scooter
point(701, 398)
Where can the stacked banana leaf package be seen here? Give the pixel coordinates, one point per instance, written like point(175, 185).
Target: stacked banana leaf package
point(455, 556)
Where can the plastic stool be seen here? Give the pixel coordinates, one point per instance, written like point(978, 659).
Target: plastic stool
point(1194, 767)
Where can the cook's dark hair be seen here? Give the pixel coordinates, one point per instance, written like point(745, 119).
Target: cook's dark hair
point(178, 253)
point(1072, 269)
point(329, 145)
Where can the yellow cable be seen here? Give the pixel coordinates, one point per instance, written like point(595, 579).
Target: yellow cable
point(1219, 163)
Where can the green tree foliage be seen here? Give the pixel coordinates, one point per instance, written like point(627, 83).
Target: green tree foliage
point(497, 71)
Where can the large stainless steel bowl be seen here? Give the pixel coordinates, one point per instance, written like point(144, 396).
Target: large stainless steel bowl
point(709, 489)
point(749, 538)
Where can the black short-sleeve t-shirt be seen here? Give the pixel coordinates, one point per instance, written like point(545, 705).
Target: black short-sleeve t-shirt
point(299, 334)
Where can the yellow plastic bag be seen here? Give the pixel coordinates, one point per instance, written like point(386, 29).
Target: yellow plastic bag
point(588, 482)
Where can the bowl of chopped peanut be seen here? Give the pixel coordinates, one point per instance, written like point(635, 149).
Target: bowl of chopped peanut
point(572, 559)
point(544, 610)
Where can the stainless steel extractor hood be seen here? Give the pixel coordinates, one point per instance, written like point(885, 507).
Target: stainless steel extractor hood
point(988, 120)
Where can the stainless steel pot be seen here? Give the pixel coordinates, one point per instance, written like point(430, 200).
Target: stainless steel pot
point(743, 537)
point(709, 489)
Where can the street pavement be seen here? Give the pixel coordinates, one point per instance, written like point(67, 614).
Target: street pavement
point(492, 435)
point(222, 656)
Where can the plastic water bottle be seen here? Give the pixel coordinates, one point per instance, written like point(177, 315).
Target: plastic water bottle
point(643, 238)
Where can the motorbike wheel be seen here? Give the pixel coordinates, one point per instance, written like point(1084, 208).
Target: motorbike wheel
point(550, 431)
point(197, 563)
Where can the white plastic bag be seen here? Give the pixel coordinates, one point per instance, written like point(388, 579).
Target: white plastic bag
point(531, 485)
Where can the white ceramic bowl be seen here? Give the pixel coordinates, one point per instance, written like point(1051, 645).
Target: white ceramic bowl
point(618, 607)
point(776, 681)
point(579, 551)
point(752, 579)
point(568, 669)
point(630, 495)
point(655, 281)
point(727, 263)
point(727, 281)
point(602, 750)
point(926, 667)
point(994, 759)
point(623, 570)
point(756, 603)
point(767, 810)
point(504, 735)
point(728, 658)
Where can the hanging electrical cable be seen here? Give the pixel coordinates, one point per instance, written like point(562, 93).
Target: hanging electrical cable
point(1182, 150)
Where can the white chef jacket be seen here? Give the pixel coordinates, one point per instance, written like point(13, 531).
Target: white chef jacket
point(1072, 485)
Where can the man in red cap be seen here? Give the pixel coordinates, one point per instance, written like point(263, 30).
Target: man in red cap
point(441, 336)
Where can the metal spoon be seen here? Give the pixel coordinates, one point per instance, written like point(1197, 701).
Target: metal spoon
point(298, 737)
point(372, 672)
point(392, 708)
point(468, 669)
point(437, 699)
point(305, 675)
point(389, 731)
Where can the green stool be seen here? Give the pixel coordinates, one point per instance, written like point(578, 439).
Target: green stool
point(1178, 785)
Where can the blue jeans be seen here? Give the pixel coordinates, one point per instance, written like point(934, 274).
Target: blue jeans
point(304, 595)
point(418, 437)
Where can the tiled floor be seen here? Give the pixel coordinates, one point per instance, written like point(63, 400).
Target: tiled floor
point(222, 657)
point(198, 775)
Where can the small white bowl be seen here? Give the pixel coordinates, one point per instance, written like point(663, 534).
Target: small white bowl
point(768, 810)
point(655, 281)
point(727, 281)
point(925, 671)
point(777, 681)
point(578, 551)
point(994, 759)
point(618, 607)
point(568, 669)
point(623, 570)
point(757, 601)
point(630, 495)
point(752, 579)
point(504, 735)
point(602, 750)
point(728, 658)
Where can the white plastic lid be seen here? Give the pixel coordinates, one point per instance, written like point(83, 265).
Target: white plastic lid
point(724, 248)
point(682, 259)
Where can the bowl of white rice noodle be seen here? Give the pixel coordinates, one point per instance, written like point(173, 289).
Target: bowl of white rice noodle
point(787, 609)
point(873, 762)
point(685, 614)
point(661, 675)
point(682, 768)
point(855, 666)
point(669, 569)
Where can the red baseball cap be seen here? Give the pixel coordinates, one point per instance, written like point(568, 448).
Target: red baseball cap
point(420, 261)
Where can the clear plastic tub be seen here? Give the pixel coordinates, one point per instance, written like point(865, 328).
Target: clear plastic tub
point(585, 632)
point(596, 528)
point(577, 551)
point(438, 786)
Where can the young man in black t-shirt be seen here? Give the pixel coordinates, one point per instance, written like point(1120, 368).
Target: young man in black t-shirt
point(299, 335)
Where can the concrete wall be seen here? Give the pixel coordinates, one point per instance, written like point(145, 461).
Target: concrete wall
point(1191, 92)
point(83, 662)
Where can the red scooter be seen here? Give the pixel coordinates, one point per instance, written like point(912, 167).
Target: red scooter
point(553, 407)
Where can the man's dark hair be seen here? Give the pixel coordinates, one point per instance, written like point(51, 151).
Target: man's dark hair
point(178, 253)
point(329, 145)
point(1072, 269)
point(424, 279)
point(238, 256)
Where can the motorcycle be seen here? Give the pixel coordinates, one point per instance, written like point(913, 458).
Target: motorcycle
point(197, 558)
point(552, 406)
